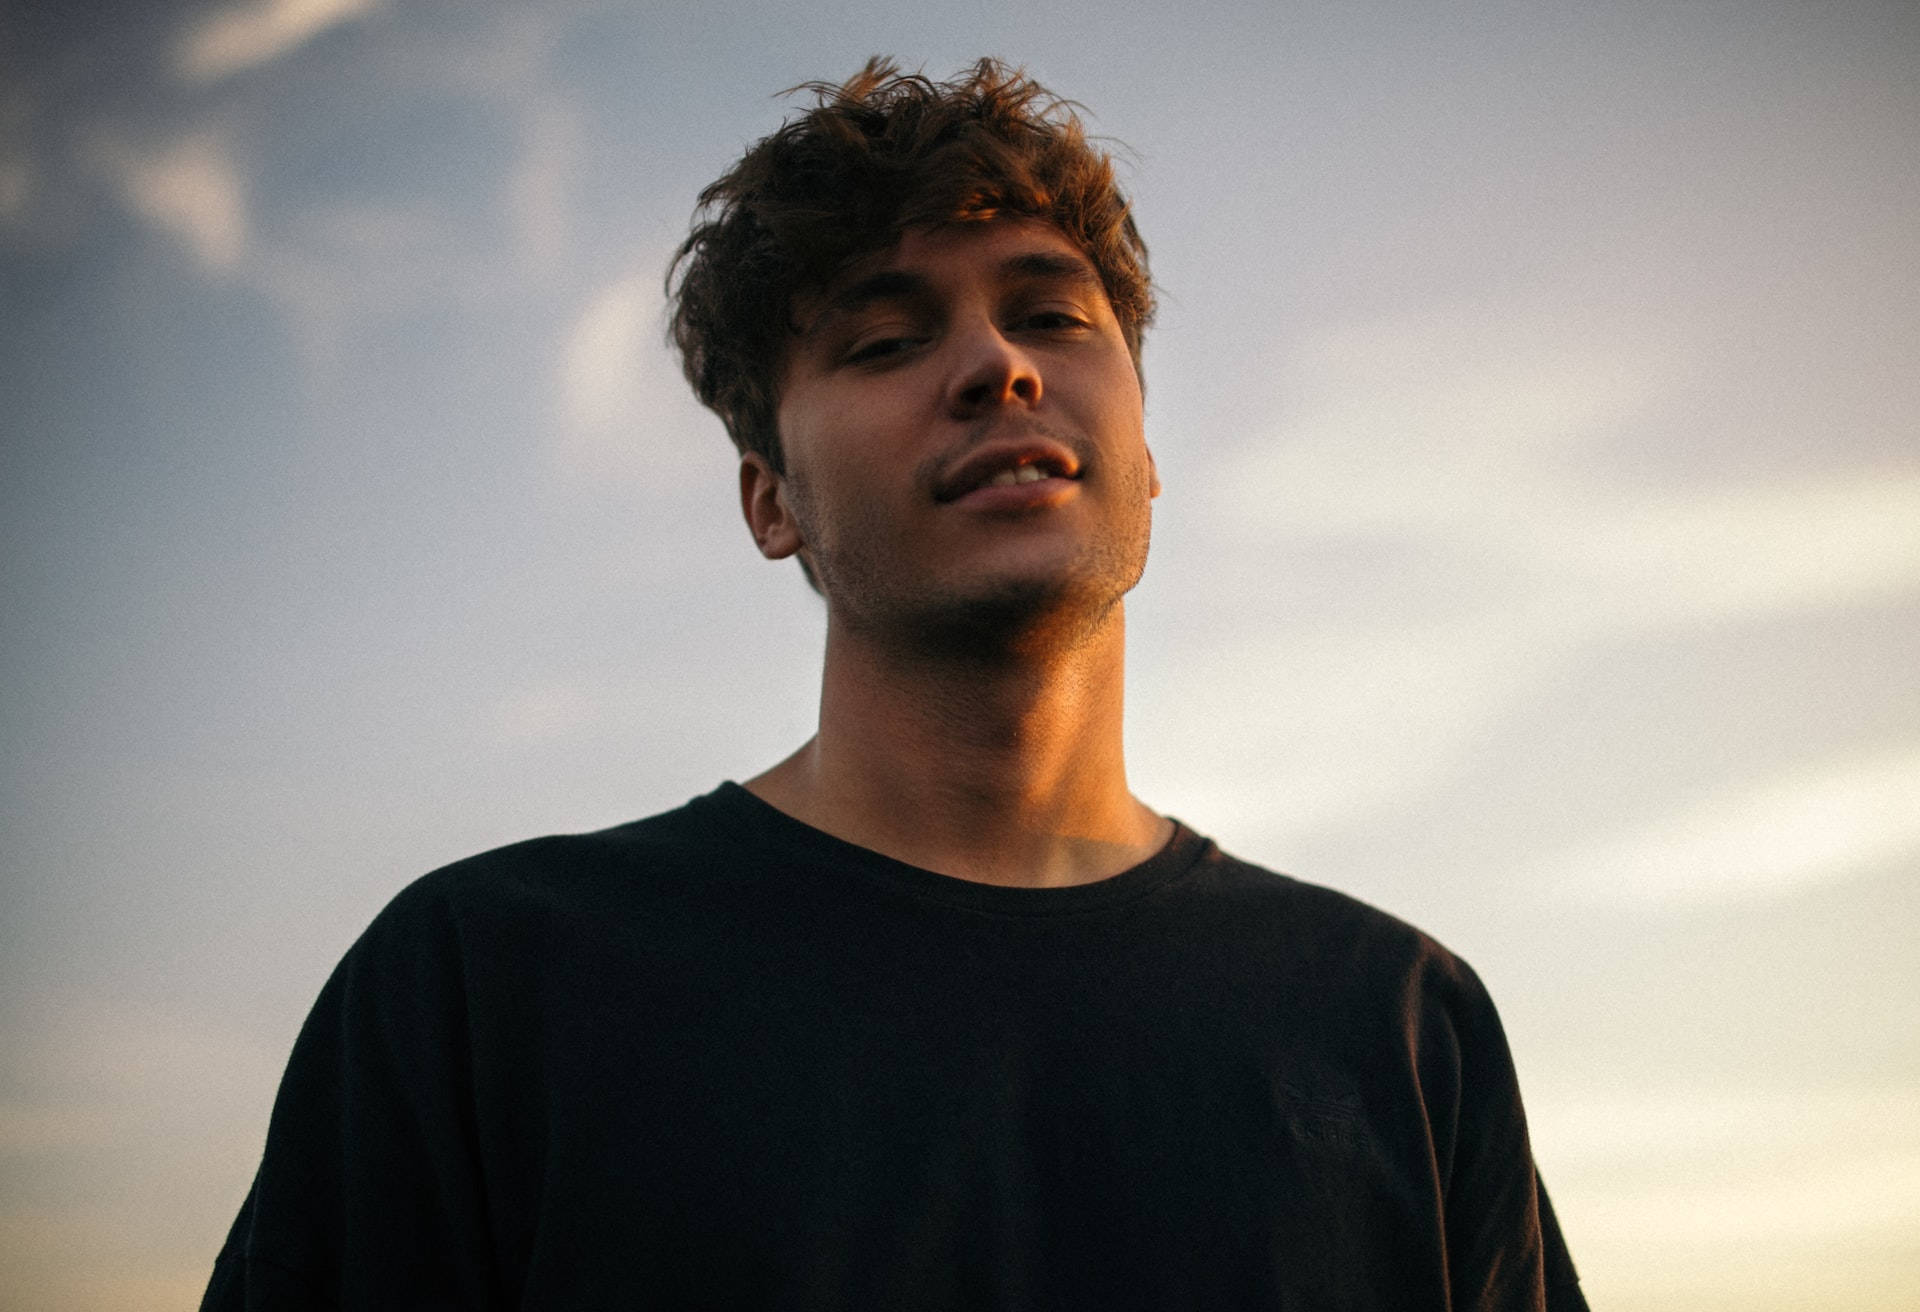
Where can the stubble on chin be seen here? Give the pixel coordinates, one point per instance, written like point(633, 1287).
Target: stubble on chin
point(989, 620)
point(982, 620)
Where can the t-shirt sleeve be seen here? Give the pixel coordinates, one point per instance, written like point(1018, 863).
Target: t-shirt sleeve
point(1563, 1282)
point(369, 1193)
point(1505, 1252)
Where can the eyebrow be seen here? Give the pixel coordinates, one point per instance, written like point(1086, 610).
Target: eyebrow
point(886, 285)
point(905, 285)
point(1055, 265)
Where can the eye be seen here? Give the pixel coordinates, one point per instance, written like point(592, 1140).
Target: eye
point(871, 350)
point(1052, 321)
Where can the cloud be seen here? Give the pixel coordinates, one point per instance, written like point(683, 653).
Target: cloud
point(1861, 1196)
point(540, 191)
point(1750, 551)
point(1448, 423)
point(1449, 544)
point(1464, 433)
point(242, 37)
point(603, 355)
point(1717, 1195)
point(1684, 1198)
point(626, 414)
point(1341, 723)
point(1681, 1130)
point(1813, 827)
point(341, 265)
point(190, 190)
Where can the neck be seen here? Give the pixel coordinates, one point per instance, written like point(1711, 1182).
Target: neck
point(1006, 770)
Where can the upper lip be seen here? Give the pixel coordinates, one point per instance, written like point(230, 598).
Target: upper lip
point(984, 462)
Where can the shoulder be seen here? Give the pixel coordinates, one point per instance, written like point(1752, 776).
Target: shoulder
point(1384, 982)
point(1332, 937)
point(617, 870)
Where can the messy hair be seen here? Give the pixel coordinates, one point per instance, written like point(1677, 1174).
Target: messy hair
point(881, 153)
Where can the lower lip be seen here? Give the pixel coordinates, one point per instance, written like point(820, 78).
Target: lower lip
point(1018, 496)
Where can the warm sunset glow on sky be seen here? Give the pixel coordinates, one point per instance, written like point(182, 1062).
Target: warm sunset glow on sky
point(1534, 392)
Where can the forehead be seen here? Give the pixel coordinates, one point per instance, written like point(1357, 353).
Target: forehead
point(984, 244)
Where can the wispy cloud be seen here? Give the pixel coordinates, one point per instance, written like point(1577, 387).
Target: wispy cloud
point(1680, 1129)
point(540, 191)
point(1450, 422)
point(1344, 722)
point(1684, 1198)
point(625, 412)
point(604, 353)
point(341, 265)
point(191, 190)
point(1439, 474)
point(1464, 433)
point(241, 37)
point(1751, 551)
point(1821, 824)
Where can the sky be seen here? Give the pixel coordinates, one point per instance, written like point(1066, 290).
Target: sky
point(1533, 389)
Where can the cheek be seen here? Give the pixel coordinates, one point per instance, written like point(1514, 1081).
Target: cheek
point(824, 494)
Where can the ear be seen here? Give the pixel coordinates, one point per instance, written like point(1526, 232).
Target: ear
point(763, 502)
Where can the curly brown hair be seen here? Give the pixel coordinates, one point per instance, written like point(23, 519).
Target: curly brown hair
point(883, 152)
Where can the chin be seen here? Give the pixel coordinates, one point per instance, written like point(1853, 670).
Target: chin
point(1023, 604)
point(1016, 617)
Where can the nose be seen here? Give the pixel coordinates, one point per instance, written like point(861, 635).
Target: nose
point(992, 371)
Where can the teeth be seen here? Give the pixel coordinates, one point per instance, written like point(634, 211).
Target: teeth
point(1023, 474)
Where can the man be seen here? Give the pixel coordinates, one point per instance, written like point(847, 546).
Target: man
point(934, 1013)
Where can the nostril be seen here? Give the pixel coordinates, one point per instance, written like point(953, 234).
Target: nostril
point(996, 378)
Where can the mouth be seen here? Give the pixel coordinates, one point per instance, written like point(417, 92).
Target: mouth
point(1007, 465)
point(1021, 474)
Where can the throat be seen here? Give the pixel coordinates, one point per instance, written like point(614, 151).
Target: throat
point(1003, 771)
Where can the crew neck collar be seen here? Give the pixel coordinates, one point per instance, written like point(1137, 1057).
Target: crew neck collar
point(745, 818)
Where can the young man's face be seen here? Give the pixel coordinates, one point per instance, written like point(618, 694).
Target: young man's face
point(962, 428)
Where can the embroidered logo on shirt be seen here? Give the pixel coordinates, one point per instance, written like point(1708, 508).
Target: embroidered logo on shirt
point(1320, 1116)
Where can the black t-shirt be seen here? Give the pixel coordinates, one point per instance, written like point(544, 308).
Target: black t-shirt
point(720, 1059)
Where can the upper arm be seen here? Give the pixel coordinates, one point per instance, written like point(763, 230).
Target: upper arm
point(370, 1190)
point(1497, 1223)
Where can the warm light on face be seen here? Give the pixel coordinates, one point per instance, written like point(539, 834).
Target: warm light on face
point(994, 338)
